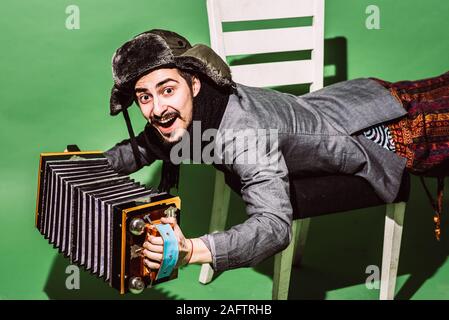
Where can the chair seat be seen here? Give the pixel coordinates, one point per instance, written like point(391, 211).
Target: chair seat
point(316, 196)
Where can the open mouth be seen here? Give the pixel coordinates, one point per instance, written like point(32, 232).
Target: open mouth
point(166, 122)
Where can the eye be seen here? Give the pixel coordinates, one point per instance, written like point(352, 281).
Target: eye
point(145, 98)
point(168, 90)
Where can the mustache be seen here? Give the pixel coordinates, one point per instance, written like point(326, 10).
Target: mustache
point(157, 119)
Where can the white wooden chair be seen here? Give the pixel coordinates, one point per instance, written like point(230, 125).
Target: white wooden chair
point(278, 74)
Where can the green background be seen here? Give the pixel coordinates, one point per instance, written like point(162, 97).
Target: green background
point(54, 89)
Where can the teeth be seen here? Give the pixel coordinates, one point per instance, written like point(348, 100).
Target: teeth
point(166, 120)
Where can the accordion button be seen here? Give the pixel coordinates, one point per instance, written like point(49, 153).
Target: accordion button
point(136, 285)
point(137, 226)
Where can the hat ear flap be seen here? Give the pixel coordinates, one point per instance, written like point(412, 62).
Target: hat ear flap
point(119, 100)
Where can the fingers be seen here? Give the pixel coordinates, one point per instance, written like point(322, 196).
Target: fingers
point(152, 259)
point(154, 246)
point(153, 249)
point(170, 220)
point(176, 228)
point(155, 240)
point(151, 264)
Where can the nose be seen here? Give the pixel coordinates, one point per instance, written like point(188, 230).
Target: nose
point(159, 107)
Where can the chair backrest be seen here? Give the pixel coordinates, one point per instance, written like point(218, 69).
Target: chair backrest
point(250, 42)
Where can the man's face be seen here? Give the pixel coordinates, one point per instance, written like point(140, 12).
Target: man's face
point(166, 101)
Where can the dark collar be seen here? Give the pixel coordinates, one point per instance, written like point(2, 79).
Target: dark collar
point(209, 105)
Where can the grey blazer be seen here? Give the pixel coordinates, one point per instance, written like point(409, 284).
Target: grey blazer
point(318, 133)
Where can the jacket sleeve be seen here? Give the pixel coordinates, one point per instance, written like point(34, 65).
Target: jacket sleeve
point(265, 191)
point(121, 156)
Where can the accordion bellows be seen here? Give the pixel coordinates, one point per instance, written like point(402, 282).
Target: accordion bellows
point(84, 208)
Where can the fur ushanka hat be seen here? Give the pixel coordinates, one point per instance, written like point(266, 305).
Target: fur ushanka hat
point(161, 48)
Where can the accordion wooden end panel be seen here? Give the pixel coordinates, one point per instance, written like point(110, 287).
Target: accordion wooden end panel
point(99, 219)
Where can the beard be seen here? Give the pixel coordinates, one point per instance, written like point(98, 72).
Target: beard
point(175, 136)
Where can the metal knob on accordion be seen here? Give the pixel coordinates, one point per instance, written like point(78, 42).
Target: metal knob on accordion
point(137, 226)
point(99, 218)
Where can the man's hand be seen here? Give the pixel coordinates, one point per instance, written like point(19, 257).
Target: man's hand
point(154, 248)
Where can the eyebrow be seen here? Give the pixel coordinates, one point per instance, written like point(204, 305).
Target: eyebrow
point(161, 83)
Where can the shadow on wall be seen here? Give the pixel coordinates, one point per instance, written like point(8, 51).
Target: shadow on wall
point(340, 247)
point(335, 60)
point(91, 287)
point(422, 255)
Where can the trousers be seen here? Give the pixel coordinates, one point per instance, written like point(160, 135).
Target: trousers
point(422, 135)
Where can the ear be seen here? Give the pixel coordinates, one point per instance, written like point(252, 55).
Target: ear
point(196, 85)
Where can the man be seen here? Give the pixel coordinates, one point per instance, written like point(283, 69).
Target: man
point(327, 131)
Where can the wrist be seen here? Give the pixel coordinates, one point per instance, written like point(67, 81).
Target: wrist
point(190, 250)
point(199, 253)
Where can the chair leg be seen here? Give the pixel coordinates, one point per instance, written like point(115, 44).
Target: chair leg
point(219, 216)
point(282, 268)
point(394, 220)
point(300, 238)
point(206, 273)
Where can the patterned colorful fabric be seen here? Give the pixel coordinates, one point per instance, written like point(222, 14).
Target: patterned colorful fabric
point(423, 135)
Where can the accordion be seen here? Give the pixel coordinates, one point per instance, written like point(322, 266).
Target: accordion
point(99, 219)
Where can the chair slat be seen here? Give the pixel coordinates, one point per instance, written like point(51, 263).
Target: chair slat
point(274, 73)
point(248, 10)
point(270, 40)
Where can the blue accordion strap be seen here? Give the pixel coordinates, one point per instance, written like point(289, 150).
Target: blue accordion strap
point(171, 251)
